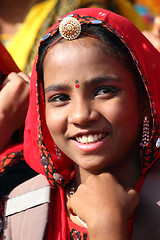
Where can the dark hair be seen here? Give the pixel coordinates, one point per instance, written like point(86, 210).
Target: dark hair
point(112, 45)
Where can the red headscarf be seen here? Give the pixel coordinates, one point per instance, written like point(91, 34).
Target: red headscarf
point(7, 64)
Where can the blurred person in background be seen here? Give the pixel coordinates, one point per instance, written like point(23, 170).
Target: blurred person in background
point(150, 11)
point(14, 97)
point(154, 34)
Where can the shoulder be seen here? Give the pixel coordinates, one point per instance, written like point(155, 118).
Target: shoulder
point(34, 192)
point(32, 184)
point(27, 206)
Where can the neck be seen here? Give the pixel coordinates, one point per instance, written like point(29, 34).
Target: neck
point(127, 173)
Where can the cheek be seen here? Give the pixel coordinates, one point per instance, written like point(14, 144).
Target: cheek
point(123, 114)
point(55, 122)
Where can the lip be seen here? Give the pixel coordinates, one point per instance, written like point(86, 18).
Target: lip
point(90, 147)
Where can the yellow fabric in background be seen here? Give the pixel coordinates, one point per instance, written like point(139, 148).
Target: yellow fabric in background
point(21, 44)
point(126, 9)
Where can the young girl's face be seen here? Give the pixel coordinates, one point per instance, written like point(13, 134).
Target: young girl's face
point(96, 124)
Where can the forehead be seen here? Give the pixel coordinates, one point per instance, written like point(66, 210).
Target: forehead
point(83, 41)
point(83, 58)
point(90, 43)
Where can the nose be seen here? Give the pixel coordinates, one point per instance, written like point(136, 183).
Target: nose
point(82, 113)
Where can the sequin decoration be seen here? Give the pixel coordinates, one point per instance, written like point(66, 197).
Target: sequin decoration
point(158, 143)
point(70, 28)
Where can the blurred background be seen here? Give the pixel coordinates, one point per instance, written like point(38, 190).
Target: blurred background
point(24, 22)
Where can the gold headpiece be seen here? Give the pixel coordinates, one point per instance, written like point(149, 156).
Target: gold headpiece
point(70, 28)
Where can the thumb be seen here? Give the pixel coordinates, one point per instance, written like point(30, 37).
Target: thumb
point(133, 201)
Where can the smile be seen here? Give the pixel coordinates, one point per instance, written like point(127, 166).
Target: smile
point(91, 138)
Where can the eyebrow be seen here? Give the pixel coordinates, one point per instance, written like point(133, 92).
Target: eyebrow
point(101, 79)
point(65, 87)
point(57, 87)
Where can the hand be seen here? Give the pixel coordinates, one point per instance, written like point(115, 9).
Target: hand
point(105, 206)
point(14, 98)
point(154, 35)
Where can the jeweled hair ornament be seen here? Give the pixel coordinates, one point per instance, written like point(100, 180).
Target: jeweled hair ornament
point(70, 28)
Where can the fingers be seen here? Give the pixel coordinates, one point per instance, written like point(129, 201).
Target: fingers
point(102, 199)
point(24, 76)
point(133, 201)
point(14, 98)
point(156, 25)
point(17, 77)
point(76, 200)
point(102, 192)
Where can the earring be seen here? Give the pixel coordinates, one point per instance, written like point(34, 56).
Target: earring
point(145, 134)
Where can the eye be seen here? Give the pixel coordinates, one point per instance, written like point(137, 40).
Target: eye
point(59, 98)
point(105, 90)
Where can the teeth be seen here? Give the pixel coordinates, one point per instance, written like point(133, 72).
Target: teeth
point(95, 138)
point(100, 136)
point(90, 138)
point(84, 139)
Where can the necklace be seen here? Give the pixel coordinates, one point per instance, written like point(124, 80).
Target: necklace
point(72, 191)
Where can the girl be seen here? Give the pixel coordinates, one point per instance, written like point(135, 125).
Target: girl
point(93, 130)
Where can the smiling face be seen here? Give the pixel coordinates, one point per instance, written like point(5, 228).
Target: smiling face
point(96, 125)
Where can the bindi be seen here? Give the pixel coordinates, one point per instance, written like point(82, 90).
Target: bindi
point(77, 84)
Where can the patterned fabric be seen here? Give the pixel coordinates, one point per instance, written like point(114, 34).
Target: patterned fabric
point(75, 235)
point(7, 161)
point(77, 232)
point(11, 159)
point(2, 222)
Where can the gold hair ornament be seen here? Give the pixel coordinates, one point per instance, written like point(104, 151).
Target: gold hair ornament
point(70, 28)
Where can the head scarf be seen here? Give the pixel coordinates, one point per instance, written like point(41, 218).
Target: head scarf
point(7, 64)
point(40, 151)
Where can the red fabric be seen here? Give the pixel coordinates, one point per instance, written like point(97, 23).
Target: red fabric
point(7, 64)
point(76, 227)
point(10, 153)
point(54, 223)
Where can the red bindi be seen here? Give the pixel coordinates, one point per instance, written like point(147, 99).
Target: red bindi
point(77, 84)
